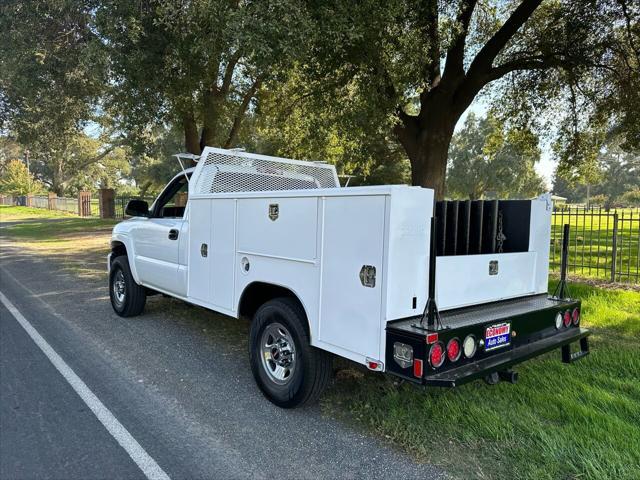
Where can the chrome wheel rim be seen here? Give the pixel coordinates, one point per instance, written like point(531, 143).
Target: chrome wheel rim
point(119, 288)
point(278, 353)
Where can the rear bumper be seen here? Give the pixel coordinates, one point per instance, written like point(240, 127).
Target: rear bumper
point(532, 322)
point(504, 360)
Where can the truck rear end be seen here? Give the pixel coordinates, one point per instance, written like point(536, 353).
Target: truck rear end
point(488, 307)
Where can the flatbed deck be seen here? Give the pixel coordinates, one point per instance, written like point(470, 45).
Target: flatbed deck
point(477, 314)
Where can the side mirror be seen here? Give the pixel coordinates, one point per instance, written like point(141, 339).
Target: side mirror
point(137, 208)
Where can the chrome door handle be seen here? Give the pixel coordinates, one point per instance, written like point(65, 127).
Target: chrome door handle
point(173, 234)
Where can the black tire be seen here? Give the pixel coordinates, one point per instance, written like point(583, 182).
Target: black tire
point(130, 302)
point(312, 367)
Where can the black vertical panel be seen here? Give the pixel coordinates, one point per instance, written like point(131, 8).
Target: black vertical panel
point(452, 228)
point(489, 226)
point(464, 225)
point(441, 216)
point(516, 223)
point(475, 234)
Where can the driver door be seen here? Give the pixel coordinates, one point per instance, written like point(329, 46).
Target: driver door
point(158, 241)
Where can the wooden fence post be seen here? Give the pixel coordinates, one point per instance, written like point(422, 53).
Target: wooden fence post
point(52, 200)
point(107, 197)
point(29, 199)
point(84, 204)
point(181, 199)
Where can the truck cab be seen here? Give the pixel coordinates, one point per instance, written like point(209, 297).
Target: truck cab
point(436, 293)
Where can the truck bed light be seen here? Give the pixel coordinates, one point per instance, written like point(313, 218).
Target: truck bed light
point(436, 355)
point(576, 316)
point(469, 346)
point(453, 350)
point(567, 318)
point(558, 320)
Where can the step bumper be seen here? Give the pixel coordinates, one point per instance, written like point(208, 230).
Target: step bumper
point(502, 361)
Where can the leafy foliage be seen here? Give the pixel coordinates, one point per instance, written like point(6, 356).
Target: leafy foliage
point(614, 173)
point(17, 180)
point(421, 64)
point(198, 65)
point(52, 78)
point(485, 158)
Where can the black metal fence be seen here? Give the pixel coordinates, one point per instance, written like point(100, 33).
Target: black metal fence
point(603, 244)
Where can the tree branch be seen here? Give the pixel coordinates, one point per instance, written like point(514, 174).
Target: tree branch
point(487, 54)
point(429, 12)
point(100, 156)
point(228, 73)
point(454, 64)
point(628, 24)
point(237, 121)
point(526, 63)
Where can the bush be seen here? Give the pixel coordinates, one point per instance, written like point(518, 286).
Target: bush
point(631, 198)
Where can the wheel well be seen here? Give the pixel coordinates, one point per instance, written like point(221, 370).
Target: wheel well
point(118, 249)
point(258, 293)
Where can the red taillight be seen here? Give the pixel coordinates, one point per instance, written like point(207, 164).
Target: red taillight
point(567, 318)
point(417, 368)
point(576, 316)
point(436, 355)
point(453, 350)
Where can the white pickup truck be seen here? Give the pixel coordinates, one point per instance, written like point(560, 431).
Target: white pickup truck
point(438, 294)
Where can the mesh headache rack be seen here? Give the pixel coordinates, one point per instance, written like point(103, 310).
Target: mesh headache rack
point(222, 171)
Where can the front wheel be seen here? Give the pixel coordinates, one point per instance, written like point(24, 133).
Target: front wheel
point(127, 297)
point(288, 370)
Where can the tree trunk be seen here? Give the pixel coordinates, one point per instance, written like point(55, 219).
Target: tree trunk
point(191, 138)
point(427, 147)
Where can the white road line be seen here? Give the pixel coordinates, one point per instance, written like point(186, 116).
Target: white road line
point(147, 464)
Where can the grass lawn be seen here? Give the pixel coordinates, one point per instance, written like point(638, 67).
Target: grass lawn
point(560, 421)
point(81, 243)
point(11, 213)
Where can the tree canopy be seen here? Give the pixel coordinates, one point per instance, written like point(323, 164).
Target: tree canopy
point(376, 87)
point(198, 65)
point(421, 64)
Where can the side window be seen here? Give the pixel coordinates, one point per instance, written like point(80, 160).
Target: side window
point(173, 200)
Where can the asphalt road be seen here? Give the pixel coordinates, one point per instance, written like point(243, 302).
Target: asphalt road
point(177, 378)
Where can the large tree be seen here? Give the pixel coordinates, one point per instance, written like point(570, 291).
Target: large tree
point(197, 64)
point(52, 78)
point(423, 63)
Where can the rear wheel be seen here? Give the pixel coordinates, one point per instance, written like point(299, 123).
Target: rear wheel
point(127, 297)
point(288, 370)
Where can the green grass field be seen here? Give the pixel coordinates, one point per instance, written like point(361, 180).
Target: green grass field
point(560, 421)
point(591, 245)
point(10, 213)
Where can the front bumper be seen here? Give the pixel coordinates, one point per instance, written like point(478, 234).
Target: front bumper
point(533, 333)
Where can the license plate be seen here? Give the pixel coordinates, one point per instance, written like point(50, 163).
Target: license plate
point(497, 336)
